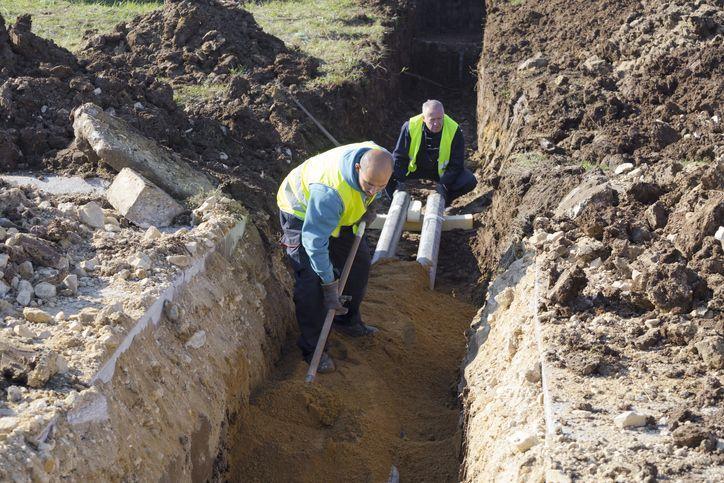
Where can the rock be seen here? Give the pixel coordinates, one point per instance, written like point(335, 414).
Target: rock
point(680, 333)
point(25, 293)
point(140, 261)
point(37, 316)
point(88, 315)
point(8, 424)
point(152, 233)
point(172, 311)
point(192, 247)
point(91, 214)
point(719, 235)
point(140, 201)
point(713, 178)
point(571, 282)
point(4, 288)
point(657, 215)
point(597, 66)
point(45, 290)
point(648, 340)
point(15, 394)
point(121, 146)
point(505, 298)
point(26, 270)
point(523, 441)
point(590, 193)
point(533, 375)
point(23, 331)
point(630, 419)
point(45, 367)
point(689, 435)
point(197, 340)
point(41, 252)
point(623, 168)
point(711, 350)
point(179, 260)
point(668, 288)
point(536, 62)
point(702, 223)
point(71, 283)
point(4, 260)
point(588, 249)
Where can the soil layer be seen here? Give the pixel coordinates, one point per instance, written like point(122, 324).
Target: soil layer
point(392, 400)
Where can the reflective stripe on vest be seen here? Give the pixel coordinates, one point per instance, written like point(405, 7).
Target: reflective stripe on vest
point(293, 194)
point(449, 128)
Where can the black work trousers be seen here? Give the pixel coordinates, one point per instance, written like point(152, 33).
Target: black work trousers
point(464, 183)
point(308, 299)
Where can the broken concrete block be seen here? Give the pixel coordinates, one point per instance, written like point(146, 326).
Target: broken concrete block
point(523, 441)
point(630, 419)
point(140, 201)
point(45, 290)
point(37, 316)
point(623, 168)
point(121, 146)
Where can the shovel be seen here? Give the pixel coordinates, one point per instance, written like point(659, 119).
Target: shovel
point(322, 341)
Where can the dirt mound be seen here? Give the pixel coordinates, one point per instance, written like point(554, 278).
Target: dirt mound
point(200, 42)
point(392, 400)
point(42, 83)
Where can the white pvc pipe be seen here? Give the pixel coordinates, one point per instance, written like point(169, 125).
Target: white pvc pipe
point(392, 229)
point(430, 237)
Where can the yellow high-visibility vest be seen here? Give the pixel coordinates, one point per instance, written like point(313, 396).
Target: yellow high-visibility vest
point(449, 128)
point(293, 194)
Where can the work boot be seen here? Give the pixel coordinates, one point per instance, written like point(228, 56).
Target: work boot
point(326, 364)
point(355, 330)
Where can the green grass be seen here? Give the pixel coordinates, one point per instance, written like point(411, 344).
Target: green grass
point(65, 21)
point(529, 159)
point(340, 33)
point(185, 95)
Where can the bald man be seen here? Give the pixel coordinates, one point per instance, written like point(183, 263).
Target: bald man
point(431, 146)
point(320, 204)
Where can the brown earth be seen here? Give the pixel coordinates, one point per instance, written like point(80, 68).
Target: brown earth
point(392, 400)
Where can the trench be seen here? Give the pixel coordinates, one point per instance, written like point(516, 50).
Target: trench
point(393, 404)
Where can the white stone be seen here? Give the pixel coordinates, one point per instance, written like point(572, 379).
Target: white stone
point(68, 209)
point(71, 283)
point(197, 340)
point(7, 424)
point(37, 316)
point(88, 265)
point(140, 201)
point(25, 292)
point(719, 235)
point(22, 330)
point(152, 233)
point(91, 214)
point(623, 168)
point(4, 257)
point(192, 247)
point(554, 237)
point(45, 290)
point(538, 238)
point(60, 316)
point(505, 298)
point(596, 263)
point(4, 288)
point(179, 260)
point(523, 441)
point(15, 394)
point(630, 419)
point(140, 261)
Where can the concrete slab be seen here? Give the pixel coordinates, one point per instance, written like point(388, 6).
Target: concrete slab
point(140, 201)
point(60, 185)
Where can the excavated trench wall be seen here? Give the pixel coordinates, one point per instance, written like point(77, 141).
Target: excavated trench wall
point(158, 407)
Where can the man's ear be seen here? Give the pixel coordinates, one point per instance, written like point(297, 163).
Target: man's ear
point(356, 167)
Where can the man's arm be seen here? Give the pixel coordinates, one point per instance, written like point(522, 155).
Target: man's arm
point(457, 159)
point(401, 153)
point(324, 211)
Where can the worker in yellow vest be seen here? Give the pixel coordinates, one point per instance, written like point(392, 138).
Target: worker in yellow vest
point(431, 146)
point(320, 203)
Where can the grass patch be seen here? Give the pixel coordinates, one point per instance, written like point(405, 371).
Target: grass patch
point(342, 34)
point(185, 95)
point(529, 159)
point(65, 21)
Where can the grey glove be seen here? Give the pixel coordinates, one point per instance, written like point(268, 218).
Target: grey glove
point(331, 298)
point(401, 186)
point(369, 215)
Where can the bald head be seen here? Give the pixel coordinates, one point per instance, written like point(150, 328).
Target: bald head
point(375, 170)
point(433, 114)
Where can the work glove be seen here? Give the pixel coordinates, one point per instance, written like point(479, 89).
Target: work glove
point(369, 215)
point(401, 186)
point(440, 189)
point(332, 299)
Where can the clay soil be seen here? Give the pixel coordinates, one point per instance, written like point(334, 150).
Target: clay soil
point(392, 400)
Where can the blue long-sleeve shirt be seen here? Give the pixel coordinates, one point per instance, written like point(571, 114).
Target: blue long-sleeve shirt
point(324, 210)
point(427, 161)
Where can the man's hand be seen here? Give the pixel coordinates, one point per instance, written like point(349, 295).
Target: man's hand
point(401, 186)
point(331, 298)
point(440, 189)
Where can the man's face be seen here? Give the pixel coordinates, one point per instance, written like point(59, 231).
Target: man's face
point(373, 181)
point(433, 119)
